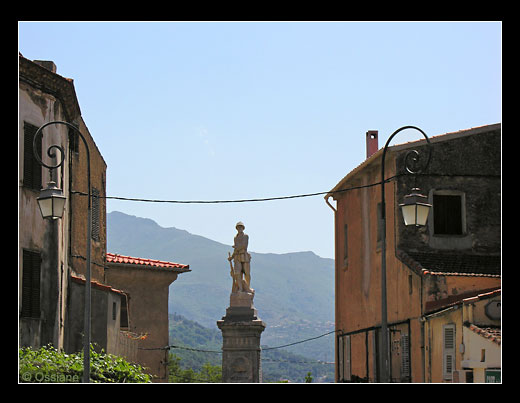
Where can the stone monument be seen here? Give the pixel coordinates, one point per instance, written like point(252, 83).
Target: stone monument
point(241, 327)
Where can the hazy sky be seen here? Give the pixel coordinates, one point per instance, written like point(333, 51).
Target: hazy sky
point(239, 110)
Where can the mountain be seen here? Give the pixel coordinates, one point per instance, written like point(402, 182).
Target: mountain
point(196, 345)
point(294, 292)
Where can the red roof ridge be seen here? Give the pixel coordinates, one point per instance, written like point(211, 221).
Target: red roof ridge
point(95, 284)
point(117, 258)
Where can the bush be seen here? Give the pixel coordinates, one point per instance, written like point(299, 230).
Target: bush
point(49, 365)
point(208, 374)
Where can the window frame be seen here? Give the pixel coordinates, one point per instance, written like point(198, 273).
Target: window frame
point(450, 193)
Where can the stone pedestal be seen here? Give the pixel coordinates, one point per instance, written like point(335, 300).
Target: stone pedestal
point(241, 329)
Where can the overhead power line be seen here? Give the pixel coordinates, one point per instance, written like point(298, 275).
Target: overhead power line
point(263, 199)
point(170, 346)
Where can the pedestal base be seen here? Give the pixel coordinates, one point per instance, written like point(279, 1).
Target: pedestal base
point(241, 329)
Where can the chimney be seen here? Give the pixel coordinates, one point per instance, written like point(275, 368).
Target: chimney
point(371, 142)
point(48, 64)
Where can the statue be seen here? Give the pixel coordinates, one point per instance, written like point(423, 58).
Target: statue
point(241, 272)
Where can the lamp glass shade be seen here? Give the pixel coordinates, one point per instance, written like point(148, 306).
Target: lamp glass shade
point(415, 209)
point(51, 201)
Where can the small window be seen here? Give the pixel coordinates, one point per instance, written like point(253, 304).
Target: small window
point(448, 362)
point(31, 284)
point(32, 170)
point(114, 310)
point(96, 211)
point(379, 224)
point(345, 245)
point(123, 317)
point(73, 140)
point(448, 216)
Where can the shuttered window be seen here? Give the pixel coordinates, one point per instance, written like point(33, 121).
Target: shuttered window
point(32, 170)
point(95, 214)
point(31, 284)
point(405, 358)
point(345, 245)
point(448, 344)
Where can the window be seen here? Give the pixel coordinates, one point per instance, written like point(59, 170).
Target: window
point(32, 170)
point(31, 284)
point(114, 310)
point(448, 213)
point(344, 372)
point(345, 245)
point(73, 140)
point(405, 358)
point(123, 317)
point(95, 214)
point(448, 353)
point(379, 230)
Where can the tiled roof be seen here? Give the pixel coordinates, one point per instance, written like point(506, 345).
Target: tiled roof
point(449, 264)
point(492, 333)
point(95, 284)
point(468, 297)
point(152, 263)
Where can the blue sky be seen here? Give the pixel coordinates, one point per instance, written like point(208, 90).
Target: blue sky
point(238, 110)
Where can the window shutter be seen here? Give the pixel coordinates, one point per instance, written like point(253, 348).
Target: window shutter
point(345, 245)
point(32, 170)
point(95, 214)
point(31, 284)
point(405, 358)
point(448, 351)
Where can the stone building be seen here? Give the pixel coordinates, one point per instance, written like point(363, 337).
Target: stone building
point(146, 283)
point(457, 252)
point(52, 253)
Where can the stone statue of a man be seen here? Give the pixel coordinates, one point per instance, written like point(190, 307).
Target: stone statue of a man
point(241, 270)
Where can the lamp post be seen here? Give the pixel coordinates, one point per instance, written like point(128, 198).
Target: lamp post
point(52, 203)
point(415, 211)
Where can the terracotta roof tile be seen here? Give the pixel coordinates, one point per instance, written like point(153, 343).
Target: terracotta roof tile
point(448, 264)
point(463, 298)
point(153, 263)
point(95, 284)
point(492, 333)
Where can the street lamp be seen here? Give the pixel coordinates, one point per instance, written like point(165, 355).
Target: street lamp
point(415, 212)
point(52, 203)
point(415, 208)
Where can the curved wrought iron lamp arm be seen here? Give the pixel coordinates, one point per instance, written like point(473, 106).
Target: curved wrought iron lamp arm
point(62, 152)
point(415, 153)
point(412, 157)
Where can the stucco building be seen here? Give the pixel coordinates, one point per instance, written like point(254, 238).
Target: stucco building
point(457, 252)
point(146, 283)
point(52, 253)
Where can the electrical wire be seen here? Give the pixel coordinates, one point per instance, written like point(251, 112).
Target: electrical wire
point(264, 199)
point(170, 346)
point(234, 201)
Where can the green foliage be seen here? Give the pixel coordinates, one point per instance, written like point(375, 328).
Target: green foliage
point(278, 364)
point(308, 378)
point(208, 374)
point(48, 365)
